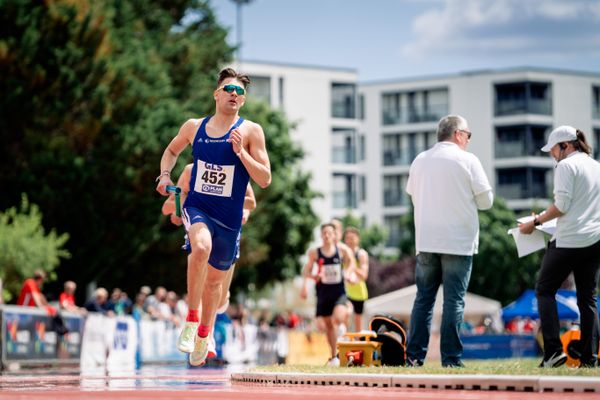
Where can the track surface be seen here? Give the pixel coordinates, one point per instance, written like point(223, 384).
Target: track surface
point(167, 382)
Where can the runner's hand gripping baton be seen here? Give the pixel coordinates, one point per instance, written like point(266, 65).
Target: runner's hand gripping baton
point(177, 191)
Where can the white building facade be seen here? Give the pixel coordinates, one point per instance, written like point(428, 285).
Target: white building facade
point(360, 138)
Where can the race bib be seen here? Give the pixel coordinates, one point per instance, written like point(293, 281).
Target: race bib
point(214, 179)
point(331, 273)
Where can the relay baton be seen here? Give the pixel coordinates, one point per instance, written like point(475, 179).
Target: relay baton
point(177, 191)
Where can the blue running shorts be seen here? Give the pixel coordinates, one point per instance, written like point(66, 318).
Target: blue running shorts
point(224, 240)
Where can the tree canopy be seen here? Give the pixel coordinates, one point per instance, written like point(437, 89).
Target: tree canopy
point(25, 246)
point(92, 94)
point(497, 270)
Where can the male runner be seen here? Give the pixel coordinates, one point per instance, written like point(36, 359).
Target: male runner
point(227, 151)
point(169, 208)
point(332, 309)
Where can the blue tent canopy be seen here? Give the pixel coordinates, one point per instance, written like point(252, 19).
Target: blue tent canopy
point(526, 306)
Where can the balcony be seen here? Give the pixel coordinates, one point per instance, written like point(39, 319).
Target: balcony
point(516, 149)
point(412, 115)
point(596, 111)
point(343, 155)
point(517, 191)
point(395, 158)
point(523, 106)
point(344, 200)
point(392, 198)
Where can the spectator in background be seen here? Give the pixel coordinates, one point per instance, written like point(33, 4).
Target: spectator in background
point(119, 300)
point(153, 301)
point(145, 290)
point(100, 303)
point(66, 300)
point(138, 309)
point(31, 293)
point(181, 308)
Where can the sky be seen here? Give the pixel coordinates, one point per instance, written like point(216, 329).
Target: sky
point(395, 39)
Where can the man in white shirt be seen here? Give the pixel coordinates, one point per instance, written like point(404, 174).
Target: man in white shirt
point(447, 185)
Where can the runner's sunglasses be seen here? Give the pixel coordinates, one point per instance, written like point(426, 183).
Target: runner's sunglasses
point(238, 89)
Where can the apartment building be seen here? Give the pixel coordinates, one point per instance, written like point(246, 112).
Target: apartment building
point(360, 138)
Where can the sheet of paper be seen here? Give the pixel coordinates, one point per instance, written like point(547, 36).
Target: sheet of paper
point(548, 227)
point(527, 244)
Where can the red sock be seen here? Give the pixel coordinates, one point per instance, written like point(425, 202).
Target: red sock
point(192, 316)
point(203, 331)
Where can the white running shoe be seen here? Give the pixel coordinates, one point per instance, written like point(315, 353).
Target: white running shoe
point(333, 362)
point(187, 337)
point(198, 356)
point(212, 347)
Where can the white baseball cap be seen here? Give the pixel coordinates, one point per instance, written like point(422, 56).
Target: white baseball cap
point(561, 134)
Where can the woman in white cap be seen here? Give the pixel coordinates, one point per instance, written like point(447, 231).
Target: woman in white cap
point(575, 246)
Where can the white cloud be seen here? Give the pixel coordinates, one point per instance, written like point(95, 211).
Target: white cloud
point(473, 27)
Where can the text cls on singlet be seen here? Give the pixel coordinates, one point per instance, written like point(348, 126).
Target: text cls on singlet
point(214, 179)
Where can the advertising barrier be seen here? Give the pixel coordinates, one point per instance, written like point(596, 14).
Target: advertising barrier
point(29, 336)
point(109, 343)
point(499, 346)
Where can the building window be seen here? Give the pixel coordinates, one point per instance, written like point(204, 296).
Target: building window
point(362, 148)
point(520, 140)
point(394, 194)
point(392, 224)
point(523, 98)
point(260, 88)
point(596, 144)
point(343, 146)
point(523, 183)
point(596, 102)
point(344, 191)
point(343, 100)
point(402, 148)
point(363, 188)
point(414, 106)
point(281, 93)
point(361, 107)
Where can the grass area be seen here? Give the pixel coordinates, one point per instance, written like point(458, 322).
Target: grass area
point(524, 366)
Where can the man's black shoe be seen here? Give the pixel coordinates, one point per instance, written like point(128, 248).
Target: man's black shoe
point(593, 363)
point(457, 364)
point(413, 363)
point(556, 360)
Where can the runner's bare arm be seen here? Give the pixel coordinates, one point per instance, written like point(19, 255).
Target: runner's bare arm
point(249, 204)
point(362, 269)
point(306, 271)
point(184, 137)
point(253, 153)
point(249, 199)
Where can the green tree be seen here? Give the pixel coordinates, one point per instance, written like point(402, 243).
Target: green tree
point(282, 226)
point(25, 247)
point(497, 270)
point(103, 86)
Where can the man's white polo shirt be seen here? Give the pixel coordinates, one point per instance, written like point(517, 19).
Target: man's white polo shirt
point(443, 182)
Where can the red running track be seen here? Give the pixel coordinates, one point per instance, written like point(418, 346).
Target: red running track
point(182, 383)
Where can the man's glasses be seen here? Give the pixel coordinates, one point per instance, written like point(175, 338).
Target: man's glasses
point(238, 89)
point(467, 132)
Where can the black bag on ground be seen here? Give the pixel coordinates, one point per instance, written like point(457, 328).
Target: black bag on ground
point(392, 336)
